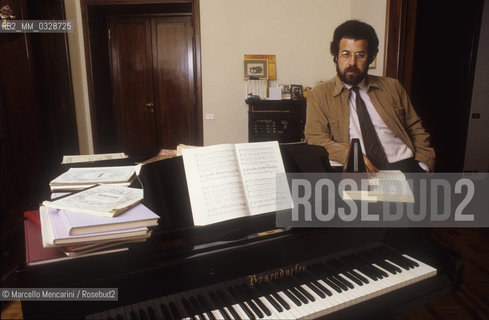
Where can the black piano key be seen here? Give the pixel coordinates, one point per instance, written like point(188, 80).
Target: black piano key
point(341, 269)
point(359, 276)
point(206, 306)
point(142, 314)
point(188, 308)
point(174, 311)
point(198, 307)
point(218, 303)
point(312, 277)
point(165, 311)
point(397, 258)
point(351, 271)
point(382, 273)
point(133, 315)
point(292, 288)
point(413, 263)
point(347, 272)
point(320, 274)
point(151, 313)
point(381, 262)
point(301, 289)
point(230, 307)
point(254, 295)
point(250, 302)
point(311, 285)
point(332, 277)
point(353, 261)
point(286, 291)
point(277, 297)
point(353, 277)
point(268, 295)
point(335, 274)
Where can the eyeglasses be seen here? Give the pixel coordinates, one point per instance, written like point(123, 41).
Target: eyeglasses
point(360, 56)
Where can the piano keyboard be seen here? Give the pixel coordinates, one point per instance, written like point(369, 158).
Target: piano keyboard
point(326, 286)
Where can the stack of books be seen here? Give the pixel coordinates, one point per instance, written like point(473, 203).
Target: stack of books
point(97, 214)
point(85, 177)
point(102, 217)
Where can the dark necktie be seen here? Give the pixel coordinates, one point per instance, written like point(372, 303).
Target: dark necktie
point(373, 148)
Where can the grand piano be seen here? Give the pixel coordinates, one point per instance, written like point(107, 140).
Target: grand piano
point(248, 268)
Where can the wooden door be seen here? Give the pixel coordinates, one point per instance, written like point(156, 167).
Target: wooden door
point(153, 83)
point(132, 85)
point(174, 81)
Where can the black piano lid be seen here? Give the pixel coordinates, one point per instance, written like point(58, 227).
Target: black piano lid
point(179, 256)
point(166, 193)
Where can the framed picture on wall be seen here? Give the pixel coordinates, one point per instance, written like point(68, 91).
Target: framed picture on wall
point(296, 91)
point(272, 68)
point(256, 69)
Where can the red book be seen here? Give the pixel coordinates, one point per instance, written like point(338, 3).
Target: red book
point(33, 216)
point(35, 253)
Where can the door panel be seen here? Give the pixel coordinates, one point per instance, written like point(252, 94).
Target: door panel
point(132, 85)
point(174, 85)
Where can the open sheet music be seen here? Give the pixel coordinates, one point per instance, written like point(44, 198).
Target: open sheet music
point(229, 181)
point(384, 185)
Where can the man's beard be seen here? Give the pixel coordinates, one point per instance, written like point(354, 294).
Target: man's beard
point(352, 79)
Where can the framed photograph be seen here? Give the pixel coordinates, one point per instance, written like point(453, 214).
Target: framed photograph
point(256, 69)
point(285, 91)
point(272, 69)
point(296, 91)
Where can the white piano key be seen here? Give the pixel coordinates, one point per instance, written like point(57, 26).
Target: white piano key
point(259, 298)
point(359, 291)
point(221, 305)
point(284, 314)
point(196, 308)
point(341, 299)
point(119, 311)
point(210, 308)
point(308, 309)
point(317, 308)
point(262, 299)
point(295, 310)
point(177, 300)
point(235, 304)
point(374, 287)
point(322, 306)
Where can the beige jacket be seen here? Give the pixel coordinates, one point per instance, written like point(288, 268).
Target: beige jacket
point(328, 117)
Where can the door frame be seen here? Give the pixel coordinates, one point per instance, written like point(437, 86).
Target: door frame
point(401, 28)
point(86, 5)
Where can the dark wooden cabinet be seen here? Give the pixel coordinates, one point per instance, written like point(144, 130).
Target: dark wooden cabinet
point(37, 122)
point(281, 120)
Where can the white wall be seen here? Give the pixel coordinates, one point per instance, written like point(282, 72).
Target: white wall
point(297, 32)
point(373, 12)
point(79, 77)
point(476, 150)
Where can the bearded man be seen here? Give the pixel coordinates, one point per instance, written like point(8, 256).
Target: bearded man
point(376, 110)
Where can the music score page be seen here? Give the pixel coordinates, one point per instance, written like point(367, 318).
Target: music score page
point(229, 181)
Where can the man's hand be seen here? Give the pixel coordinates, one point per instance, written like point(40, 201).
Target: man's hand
point(370, 166)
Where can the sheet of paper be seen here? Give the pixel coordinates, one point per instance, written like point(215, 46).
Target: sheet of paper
point(264, 178)
point(92, 157)
point(214, 183)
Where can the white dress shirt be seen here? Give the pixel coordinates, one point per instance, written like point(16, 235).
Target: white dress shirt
point(395, 149)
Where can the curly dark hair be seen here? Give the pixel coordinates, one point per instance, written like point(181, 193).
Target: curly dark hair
point(357, 30)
